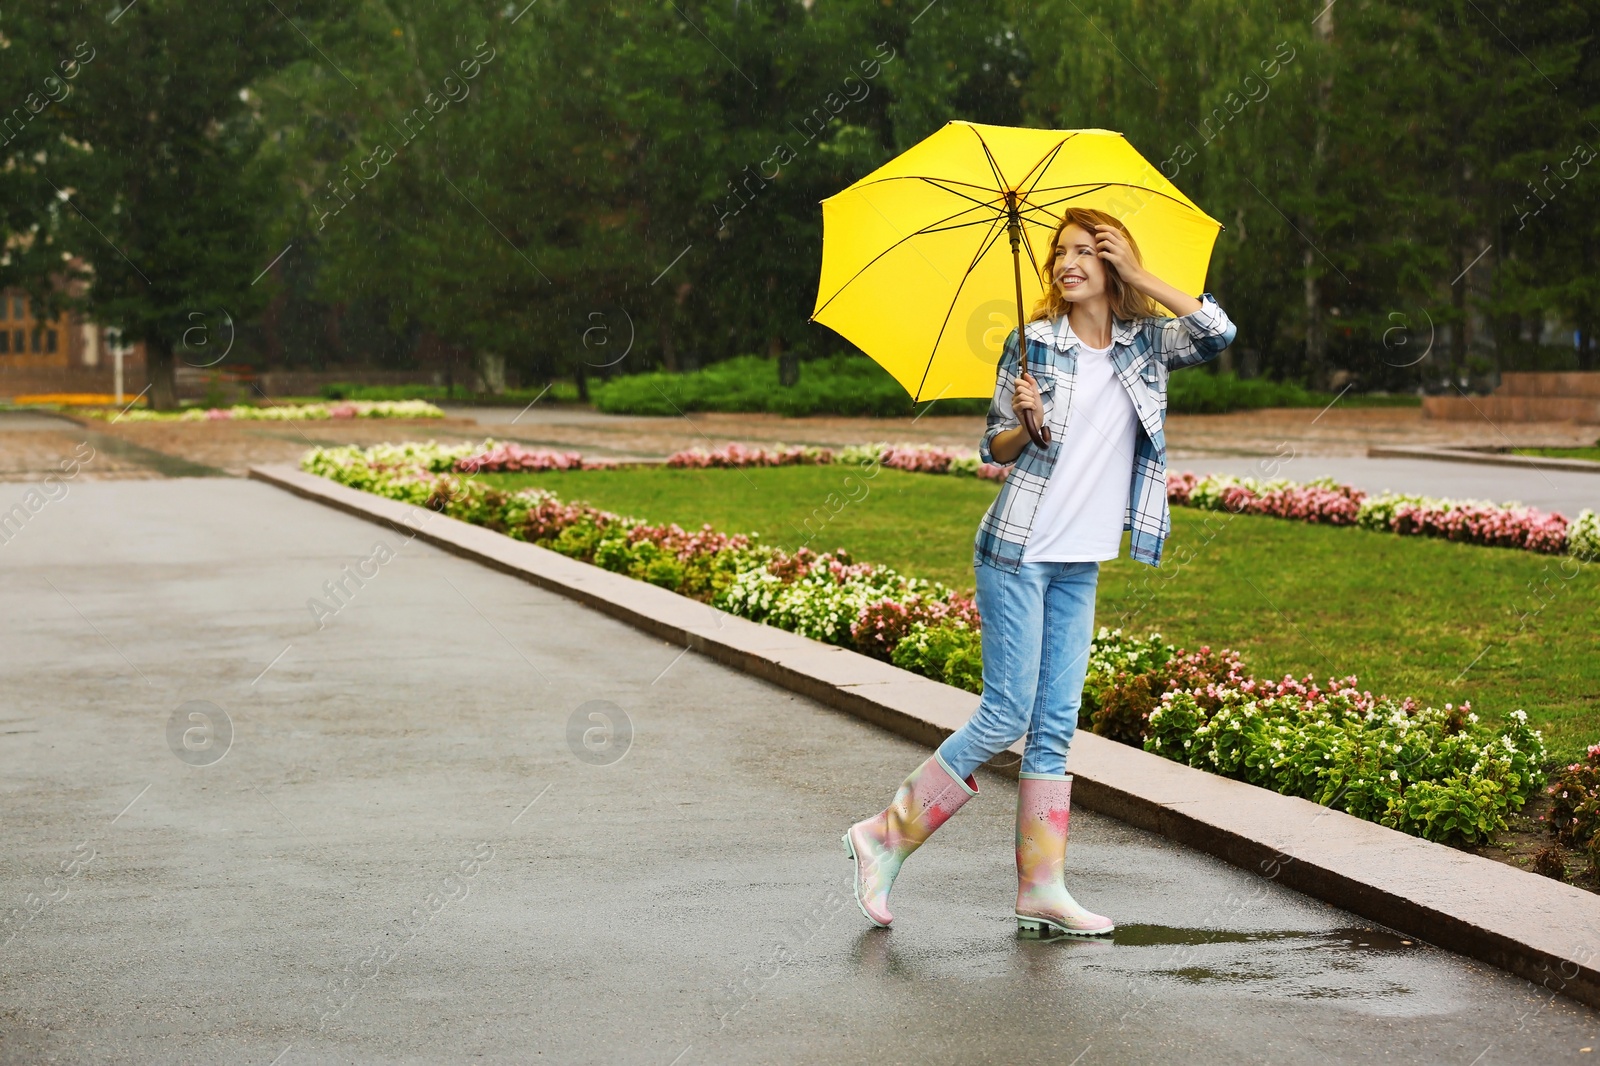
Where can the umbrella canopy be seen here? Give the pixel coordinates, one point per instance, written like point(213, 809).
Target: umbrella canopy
point(917, 267)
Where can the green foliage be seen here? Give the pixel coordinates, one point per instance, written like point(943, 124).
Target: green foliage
point(1424, 771)
point(946, 652)
point(838, 385)
point(1200, 393)
point(158, 190)
point(1589, 454)
point(855, 385)
point(574, 190)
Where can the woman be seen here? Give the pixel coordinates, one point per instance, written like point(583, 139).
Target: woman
point(1099, 351)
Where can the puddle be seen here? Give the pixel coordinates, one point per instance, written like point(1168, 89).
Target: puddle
point(1385, 992)
point(1366, 940)
point(1200, 975)
point(1343, 943)
point(1348, 939)
point(1145, 936)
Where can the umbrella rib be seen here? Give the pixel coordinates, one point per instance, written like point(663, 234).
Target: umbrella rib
point(1052, 216)
point(982, 250)
point(1032, 258)
point(935, 182)
point(1084, 190)
point(868, 264)
point(961, 225)
point(864, 182)
point(1104, 185)
point(1045, 160)
point(994, 166)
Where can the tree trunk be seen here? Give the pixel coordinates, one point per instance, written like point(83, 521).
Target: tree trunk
point(1316, 338)
point(1316, 341)
point(492, 368)
point(690, 360)
point(669, 350)
point(1458, 335)
point(582, 380)
point(788, 362)
point(1585, 343)
point(159, 366)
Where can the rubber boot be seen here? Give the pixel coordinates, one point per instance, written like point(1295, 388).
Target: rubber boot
point(924, 802)
point(1044, 906)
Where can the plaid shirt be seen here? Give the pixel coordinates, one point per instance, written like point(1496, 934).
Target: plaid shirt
point(1144, 351)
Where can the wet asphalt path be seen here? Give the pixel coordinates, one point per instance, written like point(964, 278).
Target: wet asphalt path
point(418, 847)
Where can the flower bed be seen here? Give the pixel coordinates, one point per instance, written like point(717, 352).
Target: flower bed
point(1326, 501)
point(310, 412)
point(510, 457)
point(1433, 773)
point(915, 458)
point(735, 455)
point(1322, 500)
point(1575, 813)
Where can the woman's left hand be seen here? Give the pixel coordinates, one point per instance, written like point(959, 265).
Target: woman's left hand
point(1112, 246)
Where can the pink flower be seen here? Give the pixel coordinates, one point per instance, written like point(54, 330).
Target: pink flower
point(510, 457)
point(736, 455)
point(1179, 485)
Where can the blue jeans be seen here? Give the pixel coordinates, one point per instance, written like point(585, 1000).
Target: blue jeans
point(1038, 625)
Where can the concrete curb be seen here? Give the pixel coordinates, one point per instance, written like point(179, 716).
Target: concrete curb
point(1467, 455)
point(1532, 926)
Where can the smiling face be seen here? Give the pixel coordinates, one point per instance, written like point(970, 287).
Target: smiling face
point(1075, 269)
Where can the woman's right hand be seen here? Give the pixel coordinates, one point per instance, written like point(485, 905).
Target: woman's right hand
point(1025, 397)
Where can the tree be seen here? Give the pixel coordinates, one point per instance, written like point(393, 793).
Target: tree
point(153, 159)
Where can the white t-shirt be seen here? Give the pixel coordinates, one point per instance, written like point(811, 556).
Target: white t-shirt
point(1085, 503)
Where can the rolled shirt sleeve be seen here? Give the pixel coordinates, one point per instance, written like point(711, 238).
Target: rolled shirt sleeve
point(1001, 416)
point(1195, 338)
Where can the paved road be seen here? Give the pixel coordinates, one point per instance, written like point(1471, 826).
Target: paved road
point(1552, 490)
point(293, 902)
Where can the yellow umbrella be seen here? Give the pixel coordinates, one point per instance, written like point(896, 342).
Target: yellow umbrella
point(920, 258)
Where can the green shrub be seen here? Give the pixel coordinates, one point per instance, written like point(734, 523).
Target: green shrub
point(1422, 771)
point(856, 385)
point(580, 540)
point(948, 652)
point(1200, 392)
point(1121, 710)
point(837, 385)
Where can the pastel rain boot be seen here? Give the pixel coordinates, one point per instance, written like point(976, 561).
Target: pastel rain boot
point(1044, 906)
point(924, 802)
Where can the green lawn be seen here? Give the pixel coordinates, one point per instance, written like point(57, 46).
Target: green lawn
point(1408, 615)
point(1592, 454)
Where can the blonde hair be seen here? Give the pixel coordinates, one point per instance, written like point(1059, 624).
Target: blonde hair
point(1126, 302)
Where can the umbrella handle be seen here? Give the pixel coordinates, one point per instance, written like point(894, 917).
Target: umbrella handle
point(1039, 433)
